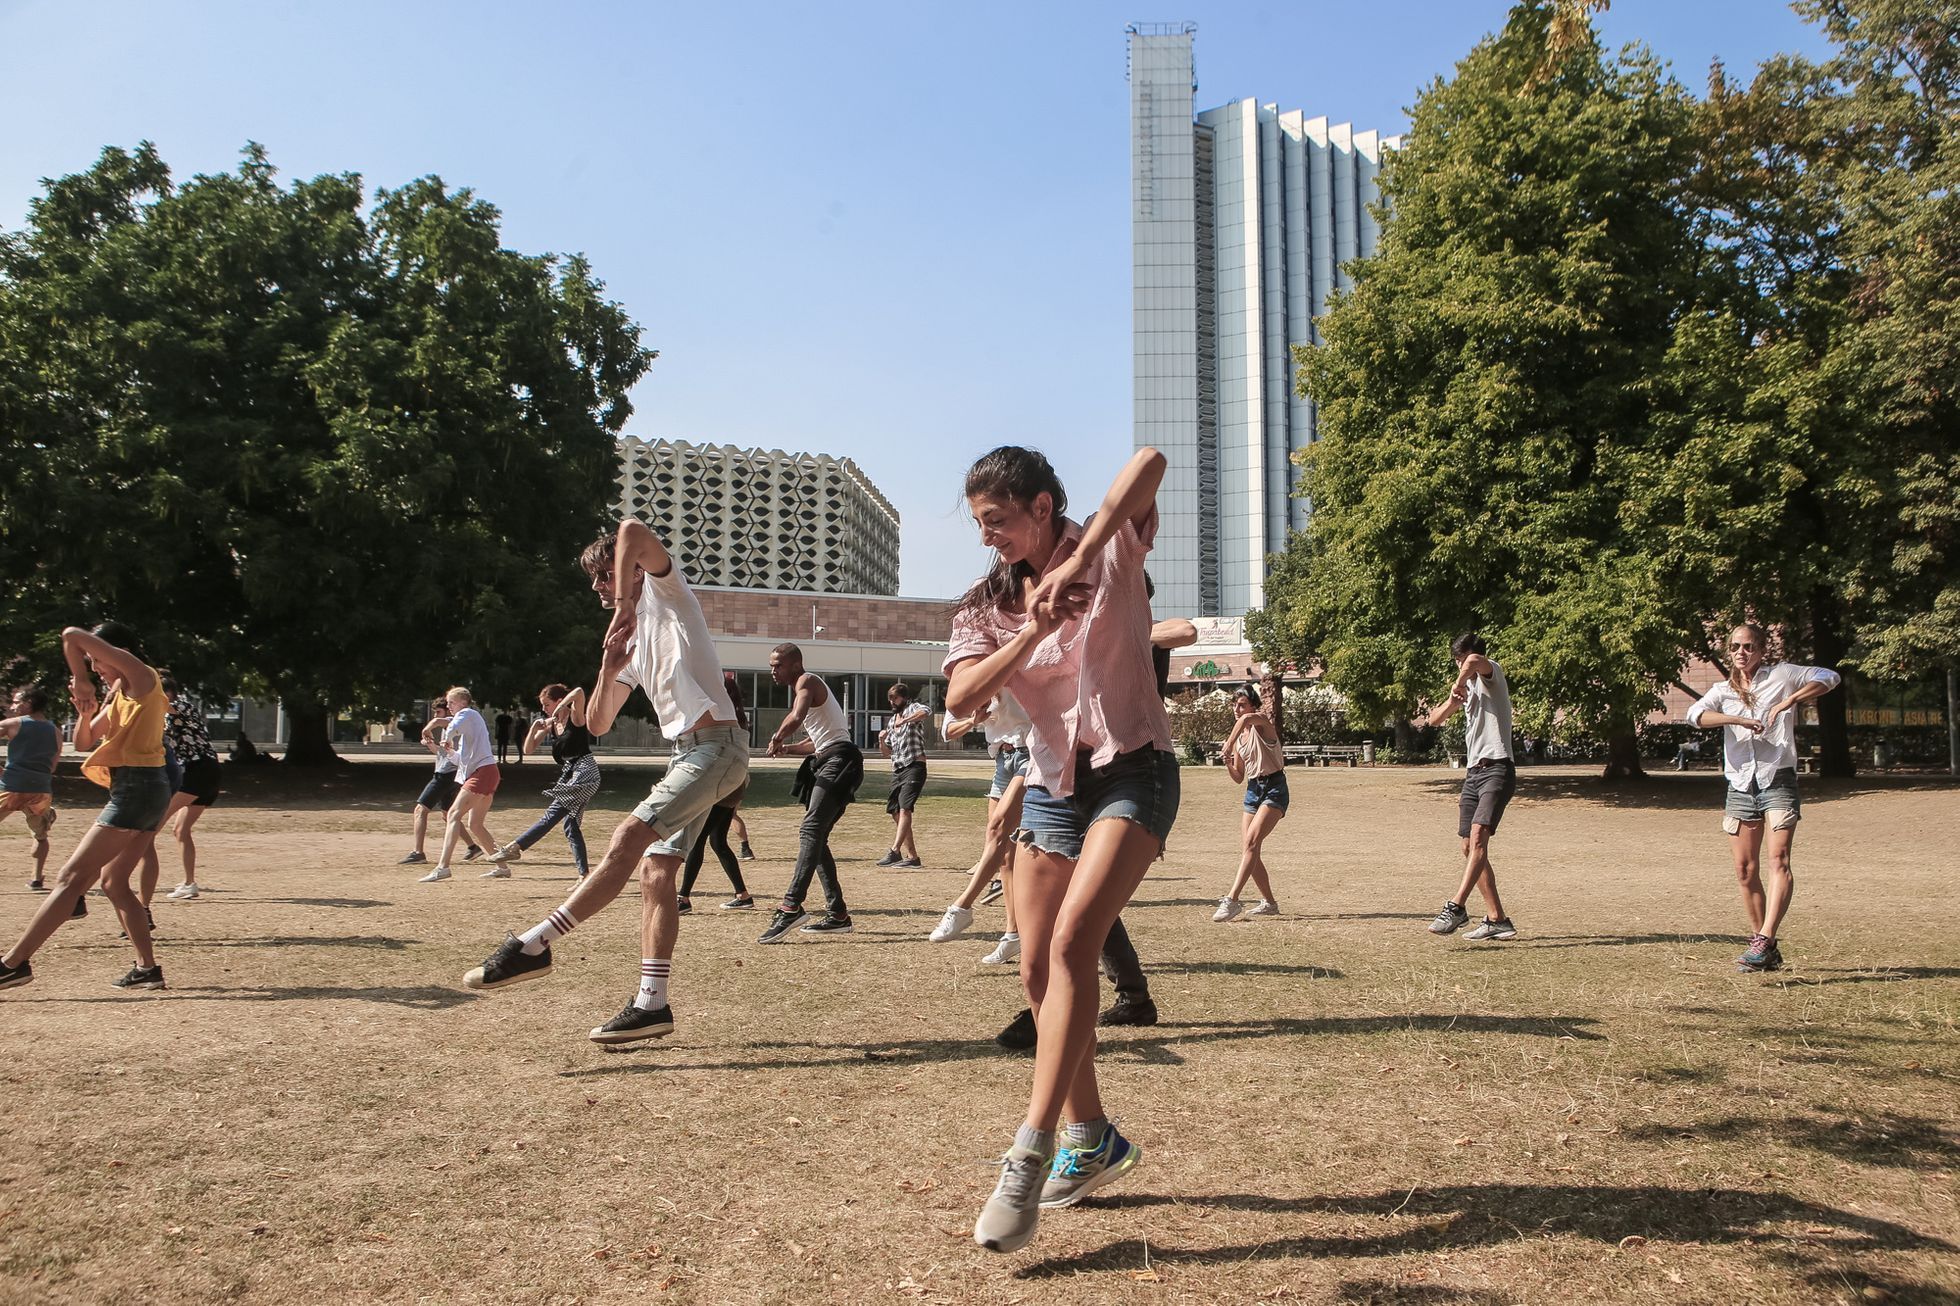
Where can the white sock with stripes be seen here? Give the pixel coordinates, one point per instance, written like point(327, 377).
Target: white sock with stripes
point(653, 983)
point(547, 932)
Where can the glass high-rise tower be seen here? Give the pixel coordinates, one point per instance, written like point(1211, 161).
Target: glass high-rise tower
point(1241, 216)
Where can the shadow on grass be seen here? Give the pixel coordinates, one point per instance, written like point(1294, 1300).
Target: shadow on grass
point(1387, 1292)
point(1549, 941)
point(1457, 1217)
point(1687, 790)
point(1877, 975)
point(1157, 1049)
point(349, 903)
point(423, 997)
point(1249, 968)
point(1868, 1138)
point(376, 943)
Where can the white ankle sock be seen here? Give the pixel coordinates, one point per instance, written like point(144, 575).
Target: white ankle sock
point(547, 932)
point(653, 983)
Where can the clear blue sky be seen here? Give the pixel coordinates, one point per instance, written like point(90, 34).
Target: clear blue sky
point(898, 232)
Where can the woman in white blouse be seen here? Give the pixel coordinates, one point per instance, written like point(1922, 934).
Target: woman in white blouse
point(1756, 706)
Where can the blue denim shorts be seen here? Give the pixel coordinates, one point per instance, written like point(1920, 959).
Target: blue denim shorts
point(1008, 763)
point(1267, 791)
point(1141, 786)
point(139, 798)
point(1779, 803)
point(707, 766)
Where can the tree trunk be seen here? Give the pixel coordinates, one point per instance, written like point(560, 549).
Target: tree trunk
point(1833, 733)
point(1623, 758)
point(311, 742)
point(1275, 705)
point(1952, 721)
point(1405, 735)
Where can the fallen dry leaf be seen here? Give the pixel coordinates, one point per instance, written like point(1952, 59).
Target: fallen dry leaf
point(1631, 1241)
point(1146, 1276)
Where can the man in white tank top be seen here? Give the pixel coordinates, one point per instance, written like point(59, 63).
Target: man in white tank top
point(1490, 778)
point(828, 783)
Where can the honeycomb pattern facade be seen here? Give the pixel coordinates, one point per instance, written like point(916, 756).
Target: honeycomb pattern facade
point(762, 518)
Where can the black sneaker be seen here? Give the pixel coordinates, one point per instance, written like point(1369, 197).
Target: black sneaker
point(739, 904)
point(1127, 1010)
point(782, 923)
point(829, 925)
point(747, 854)
point(81, 908)
point(142, 977)
point(682, 906)
point(993, 894)
point(474, 853)
point(1019, 1035)
point(12, 977)
point(38, 885)
point(632, 1024)
point(508, 965)
point(889, 859)
point(413, 859)
point(907, 864)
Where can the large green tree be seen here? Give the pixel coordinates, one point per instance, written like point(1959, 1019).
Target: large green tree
point(1486, 382)
point(306, 445)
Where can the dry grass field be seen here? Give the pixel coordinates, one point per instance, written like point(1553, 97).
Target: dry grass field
point(1337, 1106)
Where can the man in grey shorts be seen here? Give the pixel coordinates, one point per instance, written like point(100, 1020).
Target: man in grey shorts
point(659, 642)
point(1491, 778)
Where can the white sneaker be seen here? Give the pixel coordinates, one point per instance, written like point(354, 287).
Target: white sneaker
point(510, 852)
point(497, 872)
point(953, 924)
point(1264, 907)
point(1228, 909)
point(184, 892)
point(439, 873)
point(1009, 949)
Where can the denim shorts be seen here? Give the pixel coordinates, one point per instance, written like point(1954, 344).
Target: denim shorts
point(139, 798)
point(707, 766)
point(1267, 791)
point(1008, 763)
point(1779, 802)
point(1140, 786)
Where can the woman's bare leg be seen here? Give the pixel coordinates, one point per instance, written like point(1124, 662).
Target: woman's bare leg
point(100, 846)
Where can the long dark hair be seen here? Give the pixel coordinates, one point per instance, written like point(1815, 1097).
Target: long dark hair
point(734, 688)
point(1020, 476)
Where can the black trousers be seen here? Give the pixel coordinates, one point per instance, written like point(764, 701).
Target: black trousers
point(813, 857)
point(1120, 965)
point(716, 833)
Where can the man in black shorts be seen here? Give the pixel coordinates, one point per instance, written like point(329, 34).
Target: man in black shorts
point(1489, 781)
point(904, 741)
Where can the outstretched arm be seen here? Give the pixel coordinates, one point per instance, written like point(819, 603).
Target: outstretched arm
point(1131, 499)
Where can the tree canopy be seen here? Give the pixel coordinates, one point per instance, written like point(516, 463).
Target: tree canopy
point(303, 444)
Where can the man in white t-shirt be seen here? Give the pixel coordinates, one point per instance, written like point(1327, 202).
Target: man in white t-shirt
point(1490, 777)
point(658, 642)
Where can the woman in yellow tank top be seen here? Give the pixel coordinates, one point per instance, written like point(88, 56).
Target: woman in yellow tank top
point(1253, 758)
point(126, 734)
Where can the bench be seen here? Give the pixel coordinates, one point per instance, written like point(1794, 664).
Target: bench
point(1323, 754)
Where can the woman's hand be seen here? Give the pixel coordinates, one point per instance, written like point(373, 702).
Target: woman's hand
point(1769, 721)
point(1049, 609)
point(81, 691)
point(1062, 587)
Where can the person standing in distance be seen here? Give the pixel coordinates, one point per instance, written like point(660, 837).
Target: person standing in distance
point(1484, 697)
point(27, 785)
point(904, 741)
point(1756, 711)
point(828, 783)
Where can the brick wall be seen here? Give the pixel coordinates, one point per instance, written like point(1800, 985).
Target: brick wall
point(785, 615)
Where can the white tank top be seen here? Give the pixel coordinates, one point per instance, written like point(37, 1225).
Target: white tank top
point(825, 722)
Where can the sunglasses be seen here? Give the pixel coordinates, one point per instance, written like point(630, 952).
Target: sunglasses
point(1737, 648)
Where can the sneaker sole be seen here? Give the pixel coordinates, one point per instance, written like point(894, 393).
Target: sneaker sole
point(614, 1037)
point(1091, 1184)
point(475, 978)
point(808, 929)
point(16, 981)
point(937, 937)
point(1451, 930)
point(147, 986)
point(738, 906)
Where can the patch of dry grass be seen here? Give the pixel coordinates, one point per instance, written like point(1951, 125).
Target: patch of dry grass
point(1337, 1107)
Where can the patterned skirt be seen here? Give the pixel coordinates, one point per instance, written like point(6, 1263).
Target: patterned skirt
point(578, 780)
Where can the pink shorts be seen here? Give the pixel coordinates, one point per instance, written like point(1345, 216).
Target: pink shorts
point(484, 780)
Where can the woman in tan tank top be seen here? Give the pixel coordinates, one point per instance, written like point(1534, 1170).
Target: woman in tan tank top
point(1253, 756)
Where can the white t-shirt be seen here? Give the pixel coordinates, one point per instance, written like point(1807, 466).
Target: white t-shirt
point(1747, 755)
point(673, 656)
point(1487, 716)
point(472, 740)
point(1006, 726)
point(445, 760)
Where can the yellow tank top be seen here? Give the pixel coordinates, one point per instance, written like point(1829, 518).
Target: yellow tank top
point(135, 735)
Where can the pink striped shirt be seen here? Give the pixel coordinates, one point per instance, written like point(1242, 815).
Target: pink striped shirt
point(1089, 684)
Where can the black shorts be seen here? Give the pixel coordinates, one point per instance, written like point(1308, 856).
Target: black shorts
point(1487, 789)
point(201, 781)
point(440, 792)
point(907, 783)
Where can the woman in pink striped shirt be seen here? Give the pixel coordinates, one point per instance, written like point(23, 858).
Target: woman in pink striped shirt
point(1063, 622)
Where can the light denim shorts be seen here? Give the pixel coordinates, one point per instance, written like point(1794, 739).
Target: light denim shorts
point(139, 798)
point(1140, 786)
point(1267, 791)
point(1008, 763)
point(1779, 802)
point(707, 766)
